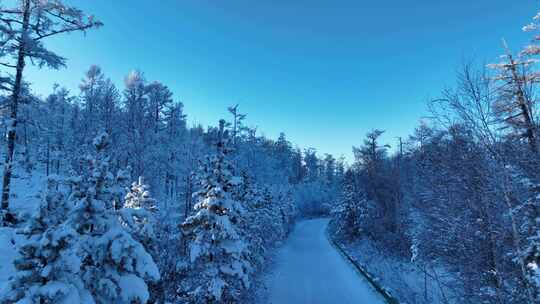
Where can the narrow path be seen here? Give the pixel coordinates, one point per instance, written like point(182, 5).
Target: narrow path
point(310, 271)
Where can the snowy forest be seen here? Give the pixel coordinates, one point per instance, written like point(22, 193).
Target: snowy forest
point(110, 195)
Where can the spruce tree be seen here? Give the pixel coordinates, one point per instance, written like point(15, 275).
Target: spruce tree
point(139, 217)
point(115, 267)
point(250, 227)
point(350, 211)
point(48, 266)
point(139, 214)
point(217, 252)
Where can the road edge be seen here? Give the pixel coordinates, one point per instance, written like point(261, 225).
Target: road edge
point(373, 281)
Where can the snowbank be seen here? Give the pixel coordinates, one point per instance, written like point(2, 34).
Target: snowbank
point(406, 281)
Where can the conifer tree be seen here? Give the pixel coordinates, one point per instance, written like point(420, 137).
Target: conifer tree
point(48, 267)
point(515, 104)
point(218, 253)
point(251, 228)
point(115, 267)
point(139, 216)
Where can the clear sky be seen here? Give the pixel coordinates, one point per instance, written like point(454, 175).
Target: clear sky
point(324, 72)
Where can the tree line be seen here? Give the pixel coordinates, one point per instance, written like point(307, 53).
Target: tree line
point(138, 206)
point(462, 191)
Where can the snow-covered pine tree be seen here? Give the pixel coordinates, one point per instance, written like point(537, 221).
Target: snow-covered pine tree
point(352, 213)
point(139, 212)
point(344, 215)
point(288, 210)
point(218, 253)
point(250, 227)
point(48, 267)
point(271, 218)
point(120, 188)
point(115, 267)
point(139, 217)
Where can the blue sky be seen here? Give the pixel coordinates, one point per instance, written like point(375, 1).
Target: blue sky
point(324, 72)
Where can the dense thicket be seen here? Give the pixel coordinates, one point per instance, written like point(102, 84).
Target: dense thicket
point(462, 192)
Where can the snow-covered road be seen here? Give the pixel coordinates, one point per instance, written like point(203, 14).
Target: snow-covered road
point(310, 271)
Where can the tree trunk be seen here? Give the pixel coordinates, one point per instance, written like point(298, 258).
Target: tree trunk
point(11, 134)
point(189, 192)
point(530, 126)
point(48, 161)
point(27, 162)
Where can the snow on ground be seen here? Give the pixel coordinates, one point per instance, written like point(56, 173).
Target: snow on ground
point(25, 199)
point(7, 254)
point(25, 191)
point(405, 280)
point(309, 270)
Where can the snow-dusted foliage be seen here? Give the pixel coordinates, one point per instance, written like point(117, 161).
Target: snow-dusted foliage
point(514, 105)
point(216, 249)
point(460, 195)
point(120, 189)
point(148, 133)
point(527, 212)
point(139, 218)
point(533, 48)
point(139, 213)
point(268, 219)
point(350, 214)
point(48, 266)
point(77, 249)
point(114, 266)
point(23, 29)
point(252, 225)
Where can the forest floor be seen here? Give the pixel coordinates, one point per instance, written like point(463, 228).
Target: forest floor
point(25, 200)
point(407, 281)
point(309, 270)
